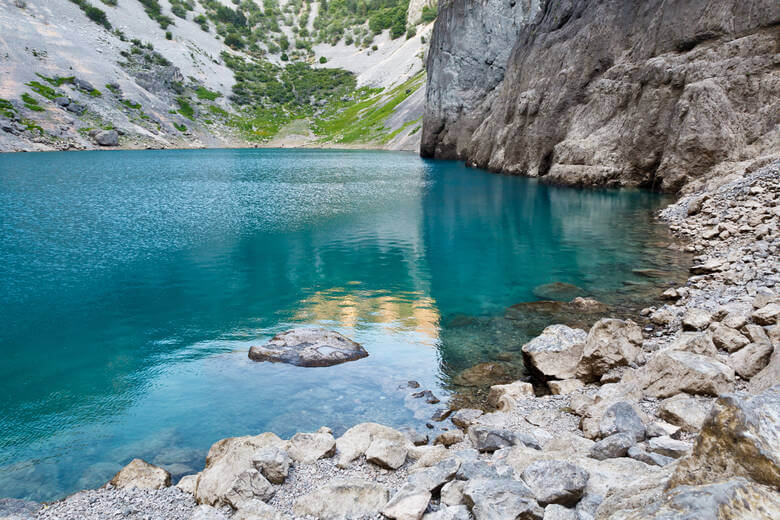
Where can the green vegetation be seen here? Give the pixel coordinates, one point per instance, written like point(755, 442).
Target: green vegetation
point(429, 14)
point(364, 120)
point(185, 108)
point(168, 35)
point(7, 109)
point(56, 81)
point(154, 11)
point(130, 104)
point(112, 3)
point(31, 103)
point(180, 128)
point(204, 93)
point(93, 13)
point(43, 90)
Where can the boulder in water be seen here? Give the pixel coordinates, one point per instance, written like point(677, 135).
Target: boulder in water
point(309, 347)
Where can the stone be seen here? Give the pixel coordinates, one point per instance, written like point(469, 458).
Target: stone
point(415, 436)
point(465, 417)
point(565, 387)
point(556, 512)
point(670, 372)
point(357, 439)
point(483, 374)
point(612, 447)
point(449, 438)
point(757, 334)
point(555, 482)
point(308, 448)
point(83, 85)
point(427, 456)
point(409, 503)
point(229, 477)
point(734, 498)
point(441, 414)
point(767, 315)
point(386, 453)
point(434, 477)
point(734, 320)
point(712, 265)
point(141, 475)
point(769, 376)
point(684, 411)
point(339, 499)
point(727, 338)
point(76, 108)
point(188, 483)
point(621, 417)
point(429, 397)
point(668, 447)
point(472, 469)
point(653, 459)
point(557, 291)
point(504, 397)
point(259, 510)
point(452, 493)
point(740, 438)
point(501, 500)
point(308, 347)
point(750, 360)
point(62, 101)
point(661, 428)
point(205, 512)
point(486, 439)
point(456, 512)
point(696, 343)
point(556, 352)
point(610, 343)
point(696, 319)
point(273, 462)
point(107, 138)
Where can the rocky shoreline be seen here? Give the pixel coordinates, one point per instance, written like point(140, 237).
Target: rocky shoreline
point(676, 419)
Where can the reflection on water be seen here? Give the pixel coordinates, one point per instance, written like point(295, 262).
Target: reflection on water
point(134, 283)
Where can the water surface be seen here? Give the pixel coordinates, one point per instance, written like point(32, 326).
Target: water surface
point(133, 283)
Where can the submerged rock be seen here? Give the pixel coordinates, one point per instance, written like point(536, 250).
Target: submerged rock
point(486, 374)
point(308, 347)
point(558, 291)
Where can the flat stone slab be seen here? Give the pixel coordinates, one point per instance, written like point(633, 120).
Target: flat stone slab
point(308, 347)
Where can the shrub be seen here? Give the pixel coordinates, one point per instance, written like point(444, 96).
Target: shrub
point(204, 93)
point(168, 35)
point(234, 40)
point(429, 14)
point(323, 59)
point(185, 108)
point(284, 57)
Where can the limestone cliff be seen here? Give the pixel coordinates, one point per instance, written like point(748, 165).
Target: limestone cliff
point(648, 93)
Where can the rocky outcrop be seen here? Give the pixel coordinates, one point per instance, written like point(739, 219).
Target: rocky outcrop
point(141, 475)
point(308, 347)
point(604, 93)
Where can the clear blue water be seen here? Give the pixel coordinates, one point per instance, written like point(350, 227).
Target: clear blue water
point(133, 283)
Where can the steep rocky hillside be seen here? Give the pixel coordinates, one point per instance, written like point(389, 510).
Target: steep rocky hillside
point(645, 93)
point(189, 73)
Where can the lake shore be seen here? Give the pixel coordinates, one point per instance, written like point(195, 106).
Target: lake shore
point(632, 427)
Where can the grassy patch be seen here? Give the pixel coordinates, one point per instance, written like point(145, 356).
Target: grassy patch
point(31, 103)
point(7, 109)
point(130, 104)
point(56, 81)
point(185, 108)
point(43, 90)
point(204, 93)
point(180, 128)
point(93, 13)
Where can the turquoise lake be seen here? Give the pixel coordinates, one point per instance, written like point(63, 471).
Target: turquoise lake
point(132, 284)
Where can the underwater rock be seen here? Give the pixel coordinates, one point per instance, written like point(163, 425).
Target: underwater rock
point(557, 291)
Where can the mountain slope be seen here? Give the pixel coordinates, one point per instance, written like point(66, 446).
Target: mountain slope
point(220, 76)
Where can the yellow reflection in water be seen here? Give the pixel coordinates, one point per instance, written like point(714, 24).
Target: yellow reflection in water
point(397, 312)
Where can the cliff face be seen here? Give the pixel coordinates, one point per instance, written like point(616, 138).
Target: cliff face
point(619, 92)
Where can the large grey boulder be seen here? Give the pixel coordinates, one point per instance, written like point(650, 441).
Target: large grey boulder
point(695, 343)
point(107, 138)
point(610, 343)
point(408, 503)
point(727, 338)
point(230, 477)
point(611, 447)
point(386, 453)
point(308, 448)
point(696, 319)
point(501, 500)
point(434, 477)
point(684, 411)
point(273, 462)
point(751, 359)
point(555, 482)
point(668, 447)
point(142, 475)
point(735, 498)
point(308, 347)
point(487, 439)
point(621, 417)
point(556, 512)
point(357, 440)
point(651, 458)
point(670, 372)
point(769, 376)
point(767, 315)
point(556, 351)
point(456, 512)
point(739, 438)
point(340, 499)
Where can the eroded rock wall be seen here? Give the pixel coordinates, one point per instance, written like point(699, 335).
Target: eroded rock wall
point(620, 92)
